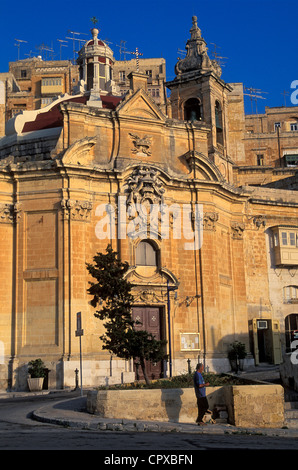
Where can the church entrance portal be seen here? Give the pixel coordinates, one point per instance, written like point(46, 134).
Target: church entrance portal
point(151, 320)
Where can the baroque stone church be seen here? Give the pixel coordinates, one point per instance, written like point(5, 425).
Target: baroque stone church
point(217, 264)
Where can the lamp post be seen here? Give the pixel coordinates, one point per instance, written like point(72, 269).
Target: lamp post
point(79, 332)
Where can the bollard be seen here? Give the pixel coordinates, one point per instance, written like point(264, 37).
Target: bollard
point(76, 379)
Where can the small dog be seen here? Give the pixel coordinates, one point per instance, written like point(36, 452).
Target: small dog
point(208, 418)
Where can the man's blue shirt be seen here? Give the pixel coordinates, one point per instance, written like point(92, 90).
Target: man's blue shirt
point(198, 380)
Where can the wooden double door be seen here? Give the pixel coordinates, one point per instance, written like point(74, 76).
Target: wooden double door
point(150, 319)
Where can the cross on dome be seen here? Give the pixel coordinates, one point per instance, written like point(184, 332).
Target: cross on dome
point(94, 20)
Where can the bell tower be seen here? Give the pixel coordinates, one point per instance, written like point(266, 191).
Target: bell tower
point(198, 94)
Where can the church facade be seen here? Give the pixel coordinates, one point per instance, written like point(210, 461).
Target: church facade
point(211, 261)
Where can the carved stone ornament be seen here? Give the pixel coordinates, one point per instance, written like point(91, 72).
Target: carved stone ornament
point(259, 221)
point(209, 220)
point(9, 213)
point(141, 145)
point(144, 185)
point(147, 295)
point(76, 210)
point(237, 230)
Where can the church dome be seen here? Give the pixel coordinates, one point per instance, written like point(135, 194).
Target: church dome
point(96, 61)
point(95, 47)
point(95, 40)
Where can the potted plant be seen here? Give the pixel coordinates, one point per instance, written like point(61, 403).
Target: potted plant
point(241, 352)
point(236, 355)
point(36, 370)
point(232, 355)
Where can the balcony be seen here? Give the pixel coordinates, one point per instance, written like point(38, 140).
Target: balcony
point(285, 245)
point(52, 86)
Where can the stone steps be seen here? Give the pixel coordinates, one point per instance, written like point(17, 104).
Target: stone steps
point(291, 414)
point(220, 414)
point(291, 405)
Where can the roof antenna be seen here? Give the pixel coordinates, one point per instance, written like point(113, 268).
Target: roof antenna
point(285, 93)
point(75, 39)
point(122, 48)
point(18, 46)
point(62, 45)
point(216, 56)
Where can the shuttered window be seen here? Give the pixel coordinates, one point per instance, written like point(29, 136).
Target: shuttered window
point(146, 254)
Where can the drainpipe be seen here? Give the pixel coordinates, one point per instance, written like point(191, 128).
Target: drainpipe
point(200, 271)
point(278, 142)
point(169, 328)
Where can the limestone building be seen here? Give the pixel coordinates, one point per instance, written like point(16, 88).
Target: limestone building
point(271, 138)
point(154, 68)
point(35, 83)
point(270, 145)
point(39, 82)
point(216, 263)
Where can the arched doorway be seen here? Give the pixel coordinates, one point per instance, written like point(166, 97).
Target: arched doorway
point(152, 305)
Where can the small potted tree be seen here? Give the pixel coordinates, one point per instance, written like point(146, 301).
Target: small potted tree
point(241, 352)
point(236, 355)
point(36, 370)
point(232, 355)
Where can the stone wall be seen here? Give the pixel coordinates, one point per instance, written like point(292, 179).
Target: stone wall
point(258, 406)
point(289, 370)
point(176, 405)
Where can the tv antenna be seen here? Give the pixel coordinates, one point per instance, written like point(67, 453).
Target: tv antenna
point(218, 58)
point(62, 44)
point(19, 41)
point(254, 94)
point(181, 52)
point(285, 93)
point(30, 54)
point(107, 42)
point(44, 48)
point(74, 39)
point(122, 48)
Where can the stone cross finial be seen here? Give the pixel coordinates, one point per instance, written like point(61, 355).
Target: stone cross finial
point(195, 30)
point(94, 30)
point(137, 54)
point(94, 20)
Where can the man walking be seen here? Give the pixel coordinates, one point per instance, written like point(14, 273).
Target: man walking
point(200, 390)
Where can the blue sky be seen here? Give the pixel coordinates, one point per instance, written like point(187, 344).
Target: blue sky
point(259, 38)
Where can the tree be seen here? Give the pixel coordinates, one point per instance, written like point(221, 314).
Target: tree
point(112, 292)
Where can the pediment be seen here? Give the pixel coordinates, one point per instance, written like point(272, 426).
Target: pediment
point(80, 152)
point(141, 105)
point(204, 168)
point(147, 275)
